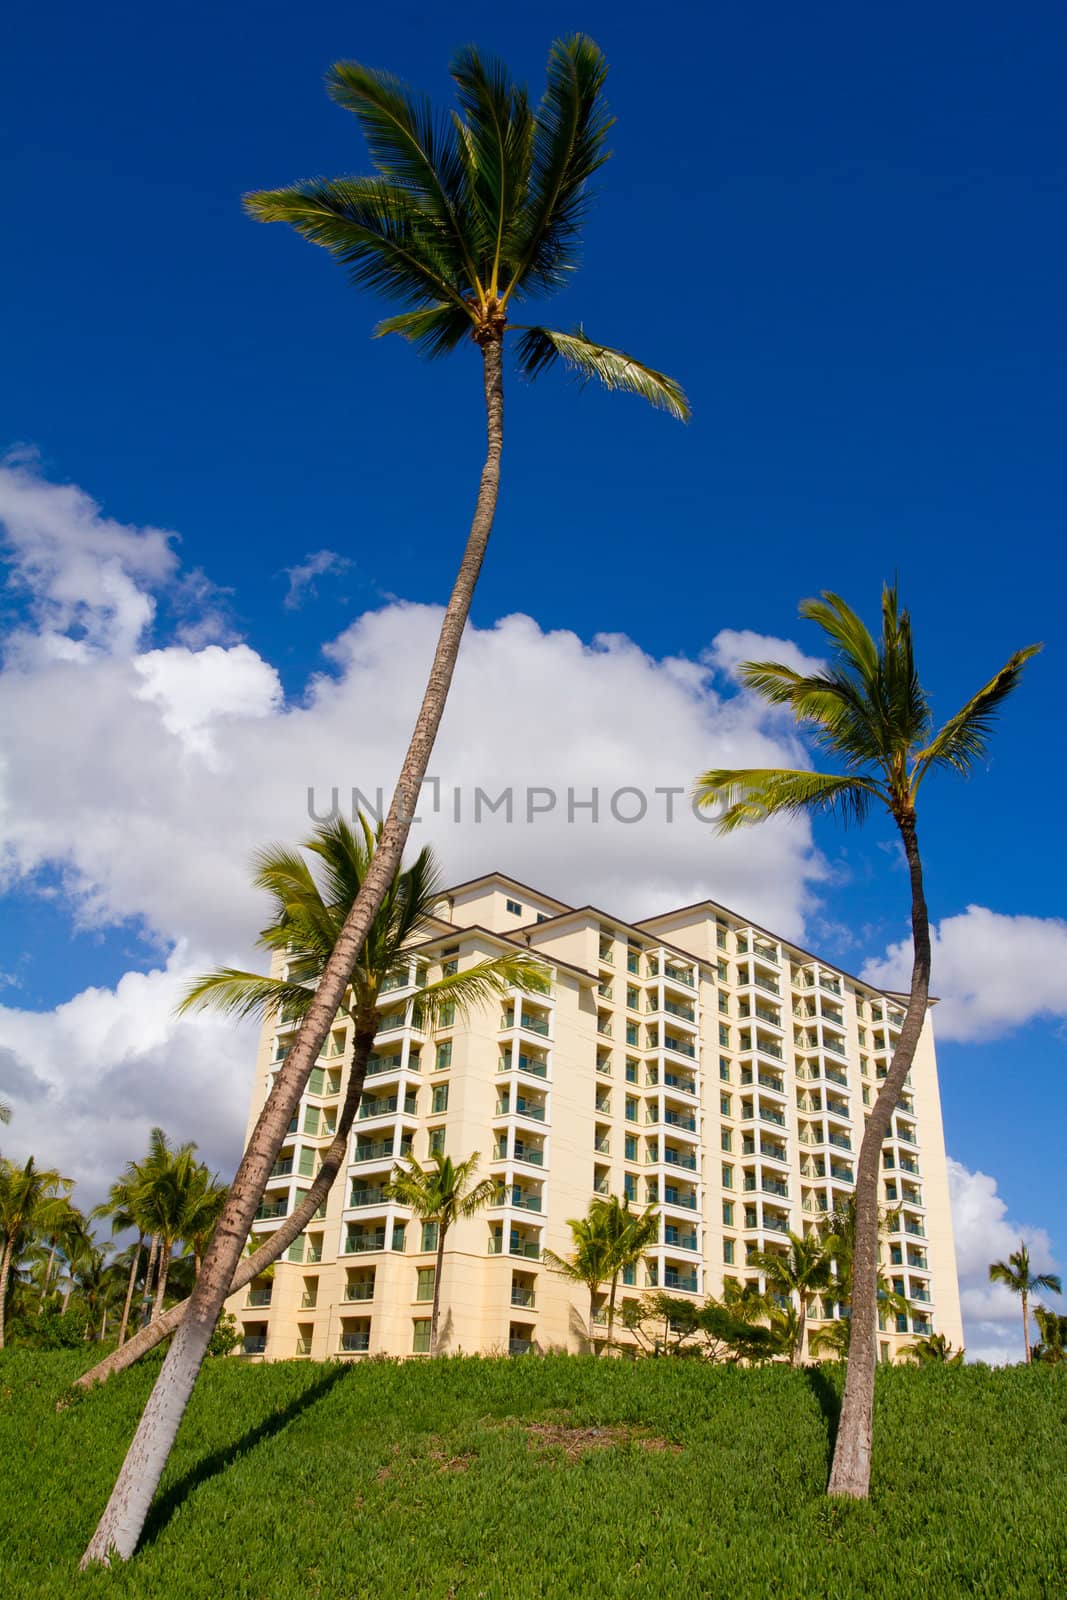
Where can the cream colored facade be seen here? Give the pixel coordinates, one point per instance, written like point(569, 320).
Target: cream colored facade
point(692, 1061)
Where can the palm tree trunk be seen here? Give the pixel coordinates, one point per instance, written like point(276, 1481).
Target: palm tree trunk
point(850, 1474)
point(276, 1243)
point(798, 1347)
point(47, 1275)
point(146, 1298)
point(161, 1285)
point(611, 1308)
point(130, 1287)
point(5, 1273)
point(435, 1313)
point(1026, 1326)
point(124, 1516)
point(592, 1314)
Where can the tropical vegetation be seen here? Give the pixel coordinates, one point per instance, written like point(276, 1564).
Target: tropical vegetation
point(869, 712)
point(1017, 1275)
point(441, 1194)
point(609, 1239)
point(462, 220)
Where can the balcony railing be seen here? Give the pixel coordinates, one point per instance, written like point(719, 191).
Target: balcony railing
point(359, 1291)
point(355, 1343)
point(528, 1248)
point(527, 1020)
point(522, 1297)
point(370, 1196)
point(535, 1158)
point(674, 1158)
point(674, 1197)
point(687, 1281)
point(357, 1244)
point(519, 1347)
point(682, 1241)
point(768, 1185)
point(684, 1047)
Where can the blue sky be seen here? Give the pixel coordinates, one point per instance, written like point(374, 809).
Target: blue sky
point(843, 231)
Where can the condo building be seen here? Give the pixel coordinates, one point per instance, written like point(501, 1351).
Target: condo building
point(693, 1061)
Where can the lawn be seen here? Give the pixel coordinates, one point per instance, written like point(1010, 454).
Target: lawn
point(511, 1480)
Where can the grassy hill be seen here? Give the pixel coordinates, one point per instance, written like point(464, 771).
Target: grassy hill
point(517, 1480)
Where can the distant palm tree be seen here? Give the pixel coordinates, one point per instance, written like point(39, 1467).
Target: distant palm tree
point(310, 906)
point(462, 220)
point(68, 1233)
point(803, 1270)
point(934, 1349)
point(120, 1208)
point(1053, 1330)
point(590, 1263)
point(869, 712)
point(1015, 1273)
point(630, 1234)
point(442, 1193)
point(33, 1200)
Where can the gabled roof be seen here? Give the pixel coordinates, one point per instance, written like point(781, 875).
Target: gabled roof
point(513, 883)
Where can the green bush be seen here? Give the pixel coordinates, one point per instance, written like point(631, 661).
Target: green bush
point(404, 1479)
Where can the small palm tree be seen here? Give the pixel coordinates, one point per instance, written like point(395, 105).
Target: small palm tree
point(1053, 1329)
point(461, 221)
point(443, 1193)
point(934, 1349)
point(1015, 1273)
point(591, 1261)
point(804, 1270)
point(629, 1234)
point(870, 713)
point(33, 1203)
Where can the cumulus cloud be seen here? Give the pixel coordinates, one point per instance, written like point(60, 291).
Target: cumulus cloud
point(302, 584)
point(992, 1315)
point(992, 971)
point(732, 646)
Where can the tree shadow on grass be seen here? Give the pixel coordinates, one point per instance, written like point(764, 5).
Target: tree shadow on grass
point(210, 1466)
point(828, 1400)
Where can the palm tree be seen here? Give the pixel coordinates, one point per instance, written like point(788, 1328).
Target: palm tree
point(442, 1193)
point(591, 1261)
point(804, 1270)
point(1016, 1274)
point(1053, 1329)
point(67, 1234)
point(869, 712)
point(33, 1201)
point(934, 1348)
point(121, 1207)
point(630, 1233)
point(462, 219)
point(307, 918)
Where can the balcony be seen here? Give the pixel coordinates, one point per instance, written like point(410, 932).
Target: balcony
point(678, 974)
point(357, 1244)
point(678, 1119)
point(685, 1281)
point(355, 1343)
point(378, 1149)
point(524, 1199)
point(528, 1249)
point(260, 1297)
point(270, 1212)
point(686, 1012)
point(776, 1224)
point(536, 1066)
point(368, 1195)
point(677, 1197)
point(532, 1155)
point(831, 985)
point(522, 1297)
point(387, 1105)
point(673, 1081)
point(768, 1186)
point(766, 1080)
point(528, 1020)
point(359, 1291)
point(282, 1169)
point(378, 1065)
point(841, 1173)
point(519, 1347)
point(837, 1076)
point(683, 1047)
point(254, 1344)
point(678, 1240)
point(676, 1158)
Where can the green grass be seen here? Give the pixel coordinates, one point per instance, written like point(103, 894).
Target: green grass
point(380, 1480)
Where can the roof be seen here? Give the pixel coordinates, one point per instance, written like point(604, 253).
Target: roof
point(515, 883)
point(456, 931)
point(606, 916)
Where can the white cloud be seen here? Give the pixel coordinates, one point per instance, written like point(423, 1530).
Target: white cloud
point(302, 585)
point(993, 972)
point(732, 646)
point(196, 689)
point(992, 1315)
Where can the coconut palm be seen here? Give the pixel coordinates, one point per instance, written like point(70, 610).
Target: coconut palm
point(443, 1193)
point(934, 1349)
point(308, 914)
point(462, 220)
point(33, 1202)
point(1015, 1273)
point(67, 1234)
point(804, 1269)
point(121, 1208)
point(591, 1261)
point(869, 712)
point(1053, 1329)
point(630, 1234)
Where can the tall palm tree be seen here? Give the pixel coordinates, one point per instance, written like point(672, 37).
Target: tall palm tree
point(308, 913)
point(33, 1201)
point(1015, 1273)
point(804, 1269)
point(443, 1193)
point(68, 1233)
point(462, 220)
point(869, 712)
point(630, 1234)
point(120, 1208)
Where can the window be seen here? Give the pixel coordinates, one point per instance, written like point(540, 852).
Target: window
point(726, 1105)
point(728, 1213)
point(633, 998)
point(316, 1079)
point(296, 1250)
point(727, 1175)
point(724, 1036)
point(629, 1275)
point(420, 1342)
point(724, 1001)
point(630, 1147)
point(400, 1235)
point(424, 1283)
point(429, 1236)
point(443, 1058)
point(447, 1015)
point(449, 968)
point(724, 1069)
point(631, 1108)
point(723, 971)
point(631, 1069)
point(514, 907)
point(727, 1139)
point(629, 1185)
point(728, 1252)
point(440, 1098)
point(311, 1120)
point(436, 1145)
point(866, 1094)
point(541, 917)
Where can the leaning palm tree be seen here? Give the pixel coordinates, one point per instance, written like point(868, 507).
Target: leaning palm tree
point(1015, 1273)
point(592, 1258)
point(630, 1234)
point(869, 712)
point(462, 221)
point(804, 1270)
point(443, 1193)
point(33, 1203)
point(309, 912)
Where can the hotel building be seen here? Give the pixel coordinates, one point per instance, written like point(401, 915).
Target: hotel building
point(692, 1061)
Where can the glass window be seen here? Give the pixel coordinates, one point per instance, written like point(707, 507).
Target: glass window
point(424, 1283)
point(630, 1147)
point(437, 1141)
point(399, 1235)
point(727, 1175)
point(429, 1236)
point(316, 1078)
point(633, 998)
point(420, 1342)
point(724, 1036)
point(440, 1098)
point(444, 1055)
point(631, 1109)
point(727, 1139)
point(728, 1252)
point(728, 1213)
point(514, 907)
point(726, 1105)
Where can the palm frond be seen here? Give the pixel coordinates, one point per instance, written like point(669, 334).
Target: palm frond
point(964, 738)
point(494, 144)
point(372, 228)
point(751, 795)
point(412, 149)
point(434, 330)
point(846, 629)
point(569, 144)
point(244, 994)
point(478, 985)
point(539, 348)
